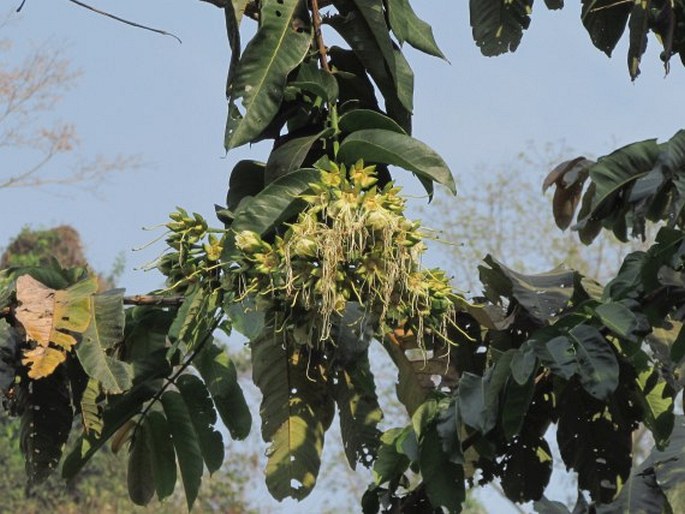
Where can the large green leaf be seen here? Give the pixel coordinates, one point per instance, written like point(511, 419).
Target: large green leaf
point(373, 14)
point(140, 479)
point(390, 462)
point(542, 295)
point(280, 44)
point(396, 88)
point(163, 454)
point(219, 374)
point(619, 319)
point(296, 410)
point(186, 443)
point(498, 25)
point(527, 464)
point(444, 480)
point(203, 415)
point(389, 147)
point(407, 26)
point(354, 391)
point(247, 180)
point(595, 439)
point(360, 119)
point(279, 201)
point(605, 21)
point(106, 330)
point(289, 156)
point(597, 364)
point(45, 423)
point(515, 403)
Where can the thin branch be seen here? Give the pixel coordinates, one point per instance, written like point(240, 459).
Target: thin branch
point(316, 17)
point(149, 299)
point(124, 21)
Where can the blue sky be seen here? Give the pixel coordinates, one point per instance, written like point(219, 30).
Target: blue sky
point(145, 94)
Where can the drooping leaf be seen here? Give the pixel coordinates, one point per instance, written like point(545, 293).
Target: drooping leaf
point(106, 330)
point(140, 479)
point(312, 79)
point(619, 319)
point(396, 87)
point(163, 456)
point(49, 317)
point(657, 403)
point(195, 319)
point(498, 25)
point(247, 180)
point(527, 465)
point(542, 295)
point(186, 444)
point(515, 403)
point(355, 394)
point(385, 146)
point(597, 364)
point(407, 26)
point(443, 479)
point(90, 410)
point(280, 44)
point(390, 463)
point(569, 178)
point(595, 440)
point(638, 26)
point(203, 416)
point(295, 411)
point(605, 21)
point(219, 374)
point(45, 424)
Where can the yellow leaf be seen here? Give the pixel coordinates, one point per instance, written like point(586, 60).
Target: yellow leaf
point(49, 318)
point(42, 361)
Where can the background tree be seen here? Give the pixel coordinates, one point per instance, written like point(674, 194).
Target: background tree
point(29, 97)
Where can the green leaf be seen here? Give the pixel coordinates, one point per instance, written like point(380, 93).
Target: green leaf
point(390, 463)
point(515, 404)
point(195, 319)
point(619, 319)
point(296, 410)
point(498, 25)
point(90, 411)
point(162, 451)
point(45, 423)
point(396, 87)
point(639, 27)
point(444, 480)
point(523, 365)
point(605, 21)
point(281, 43)
point(527, 465)
point(597, 364)
point(354, 391)
point(219, 374)
point(314, 80)
point(140, 479)
point(360, 119)
point(289, 156)
point(543, 295)
point(186, 443)
point(202, 414)
point(247, 180)
point(276, 203)
point(656, 398)
point(106, 330)
point(407, 26)
point(388, 147)
point(9, 348)
point(373, 14)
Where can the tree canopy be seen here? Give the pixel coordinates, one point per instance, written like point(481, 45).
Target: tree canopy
point(314, 260)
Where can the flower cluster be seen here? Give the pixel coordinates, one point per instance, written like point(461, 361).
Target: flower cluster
point(195, 251)
point(351, 243)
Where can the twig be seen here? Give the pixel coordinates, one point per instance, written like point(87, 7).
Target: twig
point(150, 299)
point(124, 21)
point(316, 17)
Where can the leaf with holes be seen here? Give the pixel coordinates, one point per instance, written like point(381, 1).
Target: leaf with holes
point(280, 44)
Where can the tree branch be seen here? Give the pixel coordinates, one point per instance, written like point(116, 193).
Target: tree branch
point(316, 17)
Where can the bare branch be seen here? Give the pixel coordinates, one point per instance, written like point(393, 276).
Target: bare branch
point(125, 21)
